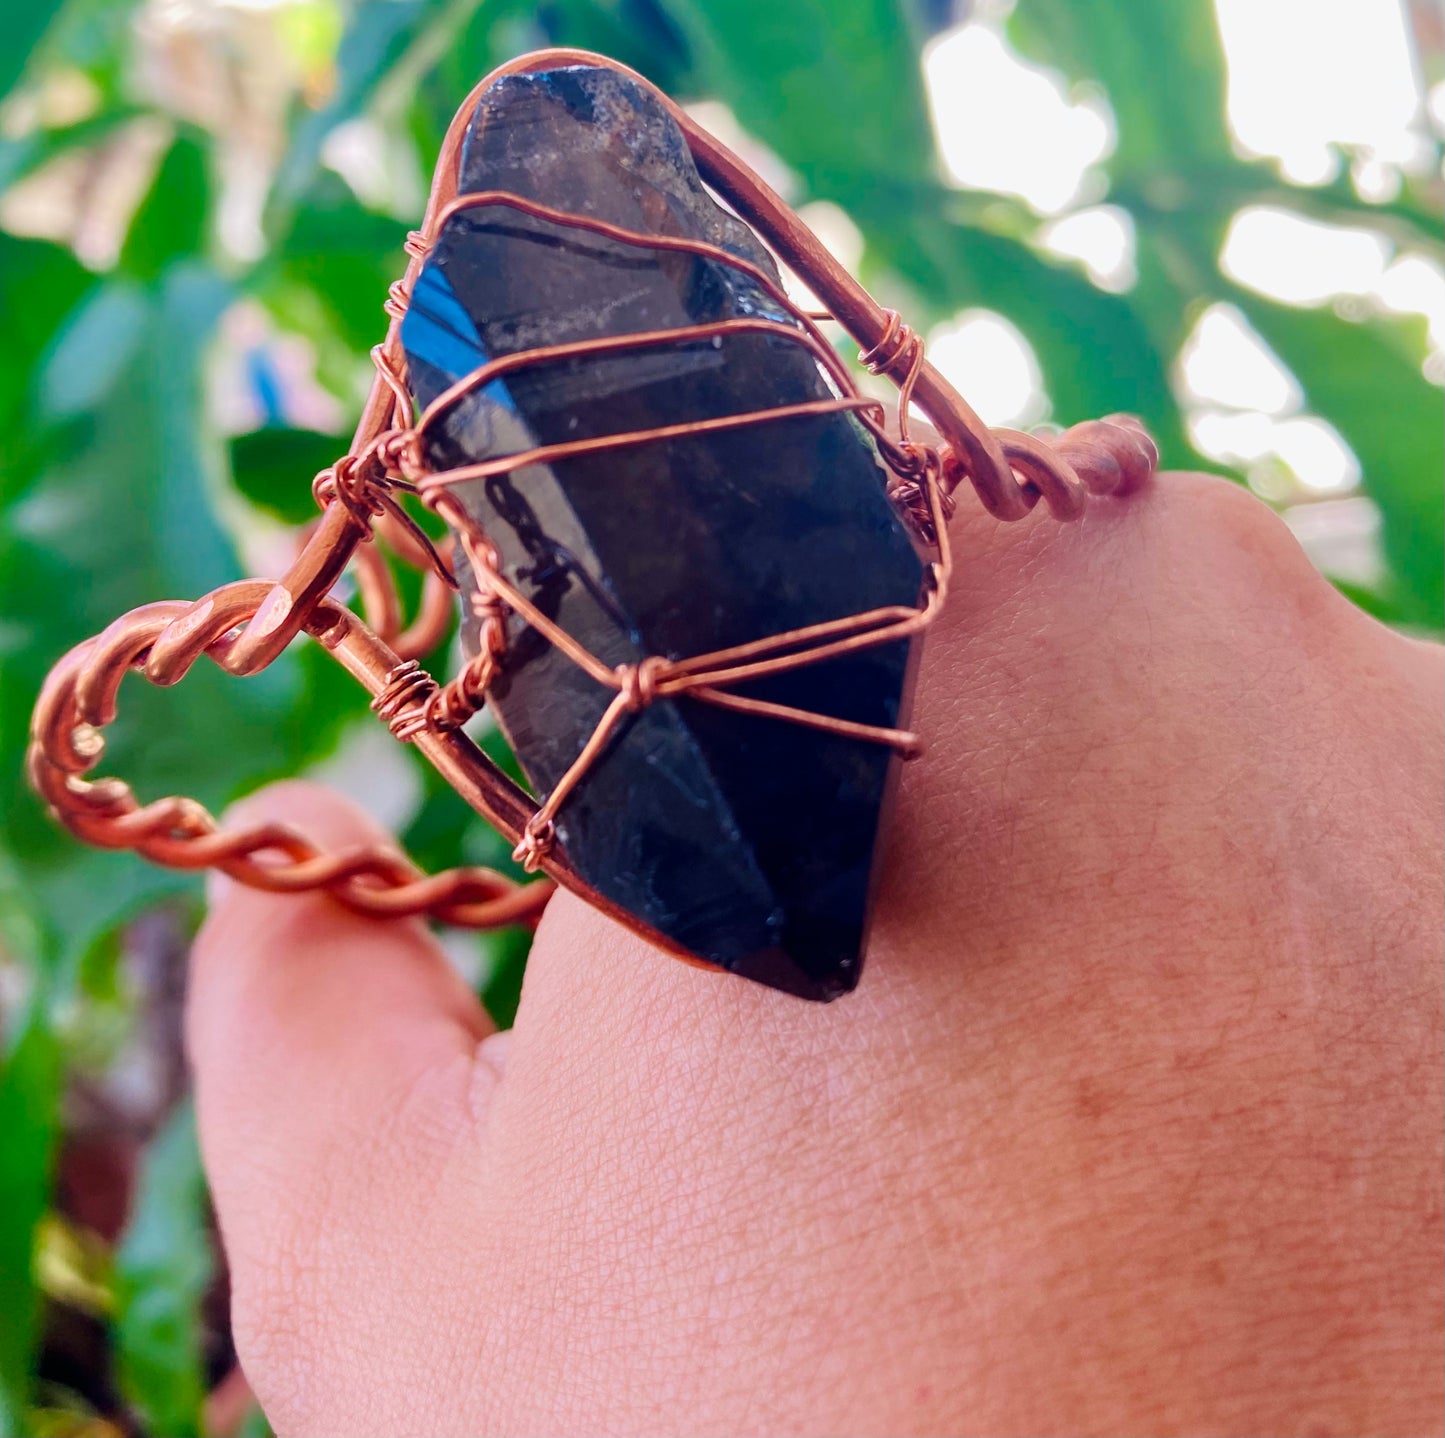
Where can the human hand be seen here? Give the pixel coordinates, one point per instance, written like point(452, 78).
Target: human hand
point(1133, 1125)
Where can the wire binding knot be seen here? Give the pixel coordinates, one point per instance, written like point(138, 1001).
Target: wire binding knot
point(536, 843)
point(917, 490)
point(398, 296)
point(403, 700)
point(490, 611)
point(396, 452)
point(638, 683)
point(454, 704)
point(897, 345)
point(364, 484)
point(911, 459)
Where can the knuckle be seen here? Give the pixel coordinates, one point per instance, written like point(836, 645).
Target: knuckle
point(1210, 505)
point(1237, 536)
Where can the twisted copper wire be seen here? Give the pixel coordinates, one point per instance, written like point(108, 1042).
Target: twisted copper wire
point(163, 641)
point(244, 627)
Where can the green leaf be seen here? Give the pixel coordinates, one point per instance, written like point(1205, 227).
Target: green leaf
point(40, 285)
point(1365, 378)
point(30, 1079)
point(853, 109)
point(163, 1269)
point(1162, 66)
point(383, 38)
point(121, 512)
point(274, 468)
point(96, 37)
point(25, 27)
point(334, 267)
point(173, 221)
point(254, 1424)
point(93, 348)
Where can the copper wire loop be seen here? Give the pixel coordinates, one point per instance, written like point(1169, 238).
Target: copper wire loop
point(243, 627)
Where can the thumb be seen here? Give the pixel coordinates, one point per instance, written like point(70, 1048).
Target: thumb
point(334, 1055)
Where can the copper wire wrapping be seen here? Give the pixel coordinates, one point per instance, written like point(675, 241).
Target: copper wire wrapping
point(705, 677)
point(243, 627)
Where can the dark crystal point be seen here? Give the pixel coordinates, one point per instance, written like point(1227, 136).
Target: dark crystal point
point(749, 841)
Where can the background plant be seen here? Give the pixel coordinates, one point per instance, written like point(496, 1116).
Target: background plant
point(201, 206)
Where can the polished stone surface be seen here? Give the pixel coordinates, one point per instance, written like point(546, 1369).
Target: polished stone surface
point(749, 841)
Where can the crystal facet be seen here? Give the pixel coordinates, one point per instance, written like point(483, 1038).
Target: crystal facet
point(749, 841)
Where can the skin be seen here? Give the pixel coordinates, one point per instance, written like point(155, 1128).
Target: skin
point(1133, 1126)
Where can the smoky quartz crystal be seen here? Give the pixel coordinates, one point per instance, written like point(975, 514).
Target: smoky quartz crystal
point(749, 841)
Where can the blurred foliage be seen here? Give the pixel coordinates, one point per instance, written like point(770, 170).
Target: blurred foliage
point(195, 156)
